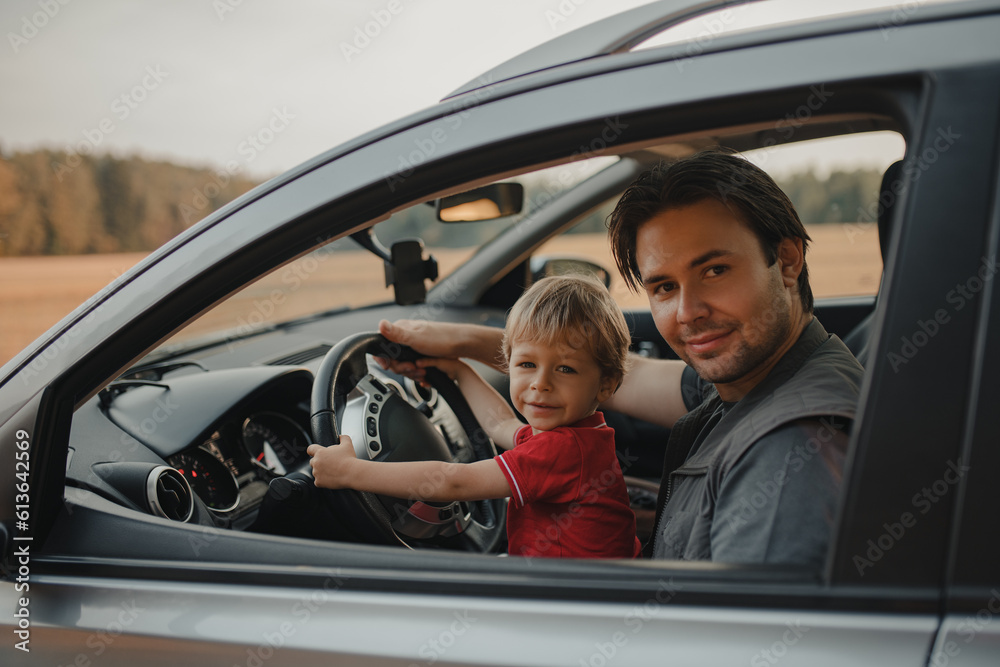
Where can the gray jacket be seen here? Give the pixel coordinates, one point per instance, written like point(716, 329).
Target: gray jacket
point(818, 379)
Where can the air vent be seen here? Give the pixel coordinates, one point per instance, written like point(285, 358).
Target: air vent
point(301, 357)
point(168, 494)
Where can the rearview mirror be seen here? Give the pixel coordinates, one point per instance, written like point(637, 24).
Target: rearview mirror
point(489, 202)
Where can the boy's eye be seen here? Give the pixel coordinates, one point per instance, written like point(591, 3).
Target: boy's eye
point(525, 364)
point(566, 369)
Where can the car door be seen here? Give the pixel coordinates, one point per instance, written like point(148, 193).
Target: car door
point(969, 633)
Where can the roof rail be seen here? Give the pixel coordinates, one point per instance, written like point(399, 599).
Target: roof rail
point(614, 34)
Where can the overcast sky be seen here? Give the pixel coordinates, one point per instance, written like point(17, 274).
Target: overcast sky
point(189, 80)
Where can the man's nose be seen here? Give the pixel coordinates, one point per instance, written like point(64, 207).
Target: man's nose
point(691, 306)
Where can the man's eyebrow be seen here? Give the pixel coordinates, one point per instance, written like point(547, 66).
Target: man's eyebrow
point(708, 257)
point(693, 264)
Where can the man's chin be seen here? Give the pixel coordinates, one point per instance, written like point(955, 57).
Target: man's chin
point(716, 373)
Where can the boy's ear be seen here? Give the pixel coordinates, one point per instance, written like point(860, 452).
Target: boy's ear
point(609, 385)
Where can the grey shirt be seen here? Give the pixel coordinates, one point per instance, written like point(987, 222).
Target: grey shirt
point(762, 478)
point(767, 510)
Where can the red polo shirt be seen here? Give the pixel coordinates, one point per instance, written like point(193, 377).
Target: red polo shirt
point(568, 497)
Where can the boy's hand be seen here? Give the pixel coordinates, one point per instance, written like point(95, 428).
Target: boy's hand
point(331, 465)
point(453, 368)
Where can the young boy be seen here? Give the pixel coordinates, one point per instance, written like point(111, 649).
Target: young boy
point(565, 345)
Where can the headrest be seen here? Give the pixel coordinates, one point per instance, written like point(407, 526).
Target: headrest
point(889, 191)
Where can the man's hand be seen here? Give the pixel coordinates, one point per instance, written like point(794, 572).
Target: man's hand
point(430, 338)
point(331, 465)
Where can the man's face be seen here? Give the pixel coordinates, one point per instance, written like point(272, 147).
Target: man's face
point(713, 297)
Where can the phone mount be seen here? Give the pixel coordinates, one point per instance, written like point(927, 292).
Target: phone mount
point(406, 269)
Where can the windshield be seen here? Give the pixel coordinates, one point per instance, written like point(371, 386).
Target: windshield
point(342, 274)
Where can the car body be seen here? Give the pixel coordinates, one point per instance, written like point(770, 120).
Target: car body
point(94, 576)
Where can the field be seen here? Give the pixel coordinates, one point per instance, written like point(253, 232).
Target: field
point(37, 292)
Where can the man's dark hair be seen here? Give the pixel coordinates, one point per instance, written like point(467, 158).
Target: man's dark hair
point(713, 174)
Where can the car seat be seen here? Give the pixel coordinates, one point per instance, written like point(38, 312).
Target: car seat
point(859, 338)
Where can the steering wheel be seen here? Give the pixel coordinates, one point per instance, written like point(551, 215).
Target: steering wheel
point(384, 426)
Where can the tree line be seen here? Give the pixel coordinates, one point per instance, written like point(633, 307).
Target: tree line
point(54, 203)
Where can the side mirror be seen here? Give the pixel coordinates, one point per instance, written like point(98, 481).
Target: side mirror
point(544, 266)
point(489, 202)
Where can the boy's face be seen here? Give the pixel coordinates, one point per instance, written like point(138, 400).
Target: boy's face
point(555, 385)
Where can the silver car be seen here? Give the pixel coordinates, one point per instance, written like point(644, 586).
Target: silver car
point(151, 441)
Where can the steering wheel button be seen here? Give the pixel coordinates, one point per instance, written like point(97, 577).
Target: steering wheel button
point(371, 427)
point(378, 397)
point(373, 407)
point(374, 446)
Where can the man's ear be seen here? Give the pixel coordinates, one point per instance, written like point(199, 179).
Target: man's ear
point(791, 259)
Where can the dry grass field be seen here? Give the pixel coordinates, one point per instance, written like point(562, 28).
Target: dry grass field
point(39, 291)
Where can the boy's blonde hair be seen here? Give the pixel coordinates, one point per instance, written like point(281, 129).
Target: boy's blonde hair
point(576, 310)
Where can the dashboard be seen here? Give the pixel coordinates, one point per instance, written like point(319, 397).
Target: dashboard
point(231, 469)
point(187, 443)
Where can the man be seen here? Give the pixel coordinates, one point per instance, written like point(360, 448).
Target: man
point(760, 403)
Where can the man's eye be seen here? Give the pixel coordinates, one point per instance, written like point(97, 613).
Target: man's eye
point(663, 288)
point(717, 270)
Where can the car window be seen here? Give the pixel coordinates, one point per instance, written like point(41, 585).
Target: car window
point(834, 185)
point(342, 274)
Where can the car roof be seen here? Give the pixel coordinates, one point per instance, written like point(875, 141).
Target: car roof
point(597, 43)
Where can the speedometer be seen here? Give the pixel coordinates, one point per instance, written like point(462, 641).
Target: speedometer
point(275, 442)
point(209, 478)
